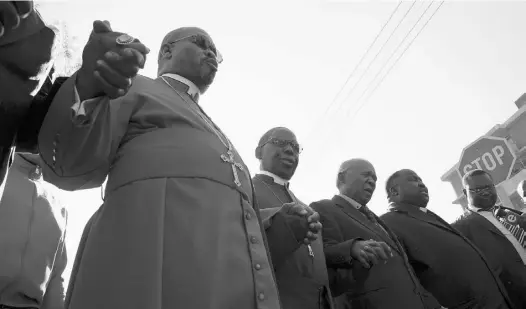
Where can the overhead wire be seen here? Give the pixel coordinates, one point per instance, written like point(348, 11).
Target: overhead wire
point(361, 106)
point(354, 87)
point(394, 53)
point(355, 69)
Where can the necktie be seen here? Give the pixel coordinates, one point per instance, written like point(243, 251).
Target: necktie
point(510, 222)
point(369, 215)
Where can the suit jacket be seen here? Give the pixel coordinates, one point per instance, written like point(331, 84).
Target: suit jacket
point(301, 278)
point(383, 286)
point(500, 253)
point(448, 265)
point(21, 131)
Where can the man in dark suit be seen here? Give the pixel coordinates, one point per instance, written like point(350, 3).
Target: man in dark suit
point(300, 269)
point(384, 283)
point(26, 83)
point(501, 241)
point(448, 265)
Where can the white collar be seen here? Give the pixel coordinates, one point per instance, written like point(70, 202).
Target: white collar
point(277, 179)
point(423, 209)
point(476, 209)
point(354, 203)
point(192, 88)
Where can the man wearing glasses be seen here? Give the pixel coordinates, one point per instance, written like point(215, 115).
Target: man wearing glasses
point(501, 242)
point(299, 264)
point(447, 264)
point(179, 227)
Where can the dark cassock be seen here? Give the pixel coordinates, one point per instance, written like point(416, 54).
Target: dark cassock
point(25, 81)
point(179, 227)
point(300, 269)
point(448, 264)
point(501, 246)
point(390, 285)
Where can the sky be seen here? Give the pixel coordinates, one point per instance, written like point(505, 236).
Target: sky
point(285, 61)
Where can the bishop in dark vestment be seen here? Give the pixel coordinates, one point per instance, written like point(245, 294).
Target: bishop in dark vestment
point(447, 264)
point(499, 237)
point(347, 222)
point(300, 269)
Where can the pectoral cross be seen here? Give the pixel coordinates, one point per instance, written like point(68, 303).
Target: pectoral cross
point(311, 253)
point(235, 165)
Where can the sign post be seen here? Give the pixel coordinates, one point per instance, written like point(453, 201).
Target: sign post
point(491, 154)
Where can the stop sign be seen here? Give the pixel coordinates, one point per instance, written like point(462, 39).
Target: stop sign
point(491, 154)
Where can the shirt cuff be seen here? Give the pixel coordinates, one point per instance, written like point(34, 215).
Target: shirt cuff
point(81, 112)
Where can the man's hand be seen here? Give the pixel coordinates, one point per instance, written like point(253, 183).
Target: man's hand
point(107, 67)
point(11, 12)
point(312, 219)
point(369, 252)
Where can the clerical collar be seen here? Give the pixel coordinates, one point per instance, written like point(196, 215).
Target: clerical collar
point(351, 201)
point(192, 88)
point(276, 178)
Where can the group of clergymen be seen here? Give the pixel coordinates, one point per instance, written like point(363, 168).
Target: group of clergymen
point(183, 224)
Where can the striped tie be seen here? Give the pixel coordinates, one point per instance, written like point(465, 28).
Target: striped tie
point(517, 231)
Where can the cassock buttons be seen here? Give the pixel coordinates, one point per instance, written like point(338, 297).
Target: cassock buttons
point(253, 240)
point(248, 216)
point(261, 296)
point(257, 266)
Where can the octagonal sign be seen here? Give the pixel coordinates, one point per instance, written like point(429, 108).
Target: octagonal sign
point(491, 154)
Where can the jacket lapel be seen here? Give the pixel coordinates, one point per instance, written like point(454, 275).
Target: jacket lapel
point(492, 228)
point(427, 217)
point(360, 218)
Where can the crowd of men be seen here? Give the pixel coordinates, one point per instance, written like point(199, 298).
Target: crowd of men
point(184, 225)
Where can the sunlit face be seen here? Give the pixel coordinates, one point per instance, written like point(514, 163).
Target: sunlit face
point(359, 182)
point(481, 191)
point(280, 154)
point(193, 57)
point(411, 189)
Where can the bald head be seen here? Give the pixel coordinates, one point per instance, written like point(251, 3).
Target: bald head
point(190, 53)
point(357, 180)
point(278, 151)
point(272, 132)
point(180, 34)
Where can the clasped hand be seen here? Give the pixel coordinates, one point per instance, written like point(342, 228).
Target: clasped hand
point(370, 252)
point(312, 223)
point(107, 67)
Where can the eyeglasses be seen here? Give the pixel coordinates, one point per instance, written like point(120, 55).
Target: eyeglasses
point(284, 143)
point(202, 42)
point(481, 189)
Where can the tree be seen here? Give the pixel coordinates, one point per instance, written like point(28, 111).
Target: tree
point(68, 55)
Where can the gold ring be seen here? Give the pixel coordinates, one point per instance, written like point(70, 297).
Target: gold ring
point(124, 39)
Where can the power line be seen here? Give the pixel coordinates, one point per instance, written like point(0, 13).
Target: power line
point(376, 56)
point(321, 118)
point(396, 61)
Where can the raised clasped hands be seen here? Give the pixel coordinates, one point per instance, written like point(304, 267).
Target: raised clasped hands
point(108, 68)
point(12, 13)
point(312, 219)
point(371, 252)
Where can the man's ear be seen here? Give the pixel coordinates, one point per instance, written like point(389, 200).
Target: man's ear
point(465, 193)
point(165, 52)
point(258, 153)
point(393, 191)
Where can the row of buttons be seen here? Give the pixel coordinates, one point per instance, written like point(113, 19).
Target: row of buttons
point(257, 266)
